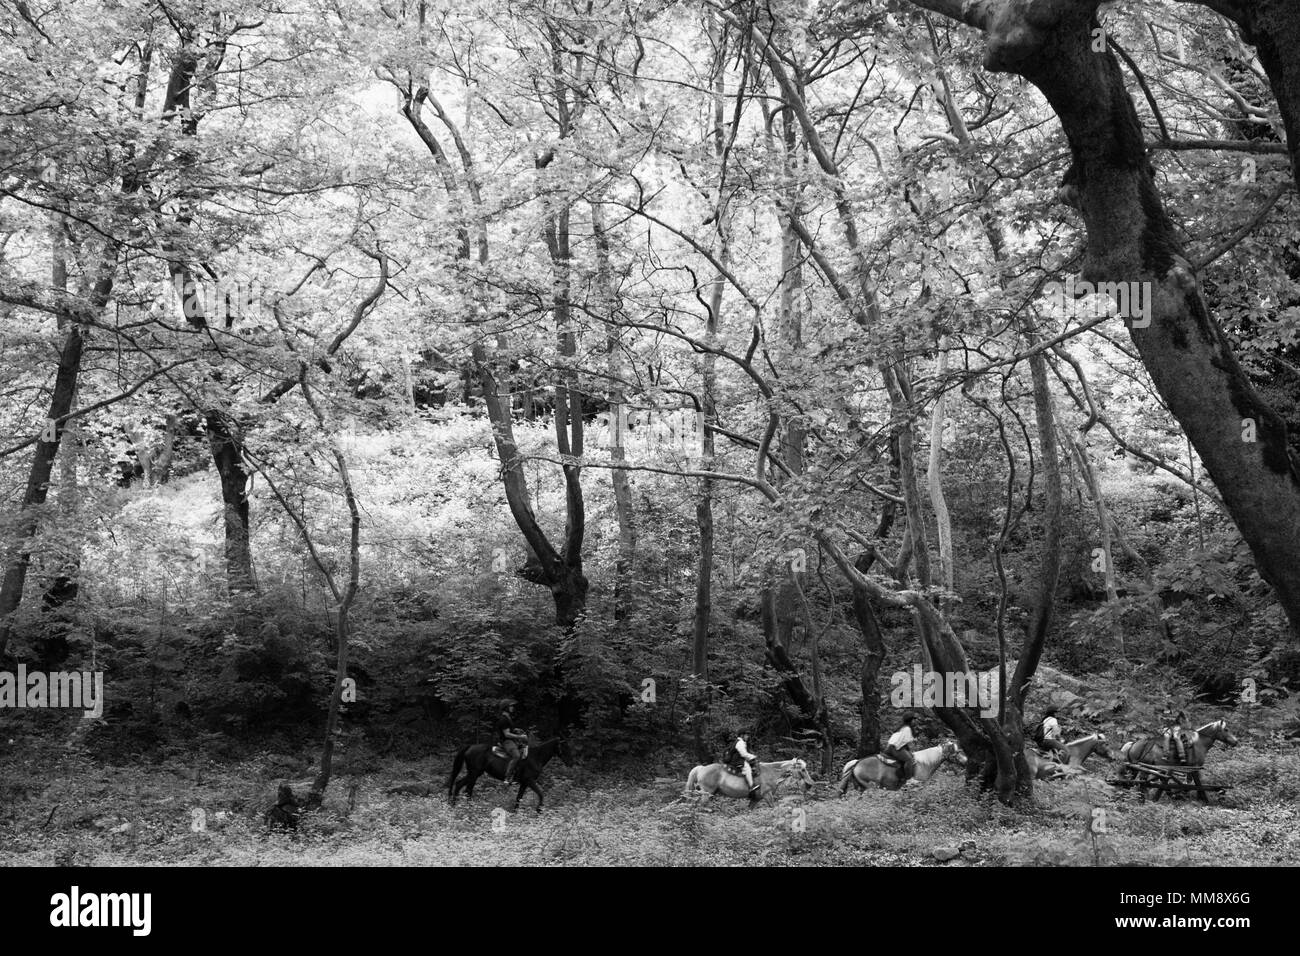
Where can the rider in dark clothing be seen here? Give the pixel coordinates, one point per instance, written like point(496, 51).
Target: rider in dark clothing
point(1175, 735)
point(511, 739)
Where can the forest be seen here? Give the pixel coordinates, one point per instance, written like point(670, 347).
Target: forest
point(637, 376)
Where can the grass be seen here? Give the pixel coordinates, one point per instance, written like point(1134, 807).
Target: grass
point(64, 808)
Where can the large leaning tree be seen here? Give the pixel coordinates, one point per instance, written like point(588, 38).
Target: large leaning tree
point(1054, 44)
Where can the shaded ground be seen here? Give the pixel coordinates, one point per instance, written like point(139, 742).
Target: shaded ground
point(65, 808)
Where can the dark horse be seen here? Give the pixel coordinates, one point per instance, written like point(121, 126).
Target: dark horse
point(478, 759)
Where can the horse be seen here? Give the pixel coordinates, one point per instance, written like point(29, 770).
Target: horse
point(713, 778)
point(874, 770)
point(478, 759)
point(1078, 751)
point(1151, 750)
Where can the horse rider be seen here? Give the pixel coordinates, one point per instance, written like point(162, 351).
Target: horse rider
point(1049, 735)
point(1175, 735)
point(747, 761)
point(900, 748)
point(511, 739)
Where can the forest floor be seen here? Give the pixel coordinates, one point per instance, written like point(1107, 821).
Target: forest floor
point(66, 808)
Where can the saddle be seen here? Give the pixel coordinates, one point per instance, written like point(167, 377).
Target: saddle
point(887, 761)
point(498, 752)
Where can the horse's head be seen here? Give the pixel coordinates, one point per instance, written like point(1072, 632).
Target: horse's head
point(797, 770)
point(953, 749)
point(1101, 749)
point(1218, 730)
point(564, 753)
point(800, 772)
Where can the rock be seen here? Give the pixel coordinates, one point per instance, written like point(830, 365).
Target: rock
point(1046, 676)
point(1064, 699)
point(945, 853)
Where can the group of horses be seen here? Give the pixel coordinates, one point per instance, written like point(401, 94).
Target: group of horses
point(708, 780)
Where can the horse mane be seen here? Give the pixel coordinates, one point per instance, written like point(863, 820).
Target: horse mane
point(787, 764)
point(928, 750)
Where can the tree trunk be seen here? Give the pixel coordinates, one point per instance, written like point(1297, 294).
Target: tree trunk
point(38, 479)
point(700, 624)
point(934, 482)
point(42, 467)
point(779, 660)
point(342, 635)
point(624, 567)
point(64, 586)
point(869, 677)
point(226, 445)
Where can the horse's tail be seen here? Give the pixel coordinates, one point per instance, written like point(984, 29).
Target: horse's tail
point(692, 781)
point(848, 768)
point(455, 767)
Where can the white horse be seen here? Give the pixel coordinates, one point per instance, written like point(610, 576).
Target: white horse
point(1044, 768)
point(875, 770)
point(709, 779)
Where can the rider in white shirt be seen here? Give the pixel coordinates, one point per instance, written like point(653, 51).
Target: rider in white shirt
point(1052, 736)
point(899, 747)
point(747, 764)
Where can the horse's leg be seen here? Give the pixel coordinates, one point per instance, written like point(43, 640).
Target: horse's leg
point(532, 785)
point(1200, 787)
point(1158, 791)
point(858, 782)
